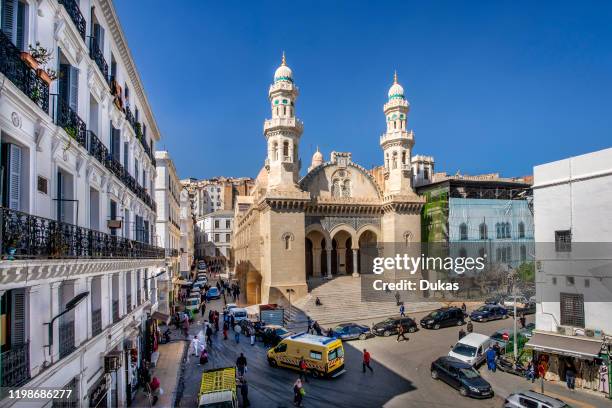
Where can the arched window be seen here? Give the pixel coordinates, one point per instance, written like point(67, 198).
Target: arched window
point(483, 231)
point(275, 152)
point(463, 232)
point(346, 188)
point(507, 233)
point(403, 157)
point(387, 160)
point(335, 191)
point(394, 160)
point(286, 149)
point(521, 229)
point(498, 230)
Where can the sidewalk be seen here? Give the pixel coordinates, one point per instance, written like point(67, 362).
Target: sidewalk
point(166, 371)
point(505, 384)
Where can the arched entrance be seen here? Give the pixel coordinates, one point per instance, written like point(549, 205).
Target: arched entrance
point(343, 254)
point(368, 250)
point(316, 257)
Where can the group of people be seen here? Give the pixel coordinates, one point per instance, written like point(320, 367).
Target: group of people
point(228, 290)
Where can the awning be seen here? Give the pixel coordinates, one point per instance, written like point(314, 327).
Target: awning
point(162, 317)
point(567, 346)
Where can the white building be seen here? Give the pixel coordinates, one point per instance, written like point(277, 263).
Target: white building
point(187, 241)
point(167, 196)
point(215, 194)
point(77, 214)
point(214, 235)
point(573, 231)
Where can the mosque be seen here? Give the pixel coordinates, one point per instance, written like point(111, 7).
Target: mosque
point(291, 230)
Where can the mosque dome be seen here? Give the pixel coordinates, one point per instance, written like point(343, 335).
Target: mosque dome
point(283, 73)
point(396, 90)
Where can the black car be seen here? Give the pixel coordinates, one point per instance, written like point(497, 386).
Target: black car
point(444, 317)
point(529, 308)
point(389, 326)
point(495, 300)
point(352, 331)
point(273, 334)
point(489, 312)
point(461, 376)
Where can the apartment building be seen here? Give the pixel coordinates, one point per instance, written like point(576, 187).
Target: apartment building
point(79, 270)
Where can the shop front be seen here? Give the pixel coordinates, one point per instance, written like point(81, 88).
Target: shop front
point(133, 361)
point(588, 358)
point(98, 393)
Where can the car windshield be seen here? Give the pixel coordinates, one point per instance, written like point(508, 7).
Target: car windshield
point(192, 302)
point(469, 373)
point(240, 314)
point(464, 350)
point(433, 315)
point(483, 309)
point(389, 320)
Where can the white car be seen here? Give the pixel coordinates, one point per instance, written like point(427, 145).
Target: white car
point(239, 314)
point(193, 304)
point(471, 349)
point(520, 301)
point(532, 399)
point(230, 306)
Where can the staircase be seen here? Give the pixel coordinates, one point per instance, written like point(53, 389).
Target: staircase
point(343, 301)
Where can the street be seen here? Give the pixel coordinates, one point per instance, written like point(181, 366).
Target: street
point(401, 372)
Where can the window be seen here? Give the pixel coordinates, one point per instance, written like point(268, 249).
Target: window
point(521, 229)
point(316, 355)
point(523, 253)
point(483, 231)
point(14, 22)
point(563, 241)
point(587, 283)
point(216, 237)
point(11, 164)
point(216, 223)
point(227, 223)
point(572, 309)
point(281, 348)
point(528, 403)
point(570, 281)
point(463, 232)
point(227, 238)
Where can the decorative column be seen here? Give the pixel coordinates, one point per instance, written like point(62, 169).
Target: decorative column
point(355, 263)
point(328, 251)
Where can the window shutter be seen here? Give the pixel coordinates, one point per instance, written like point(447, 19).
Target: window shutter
point(20, 26)
point(116, 143)
point(125, 155)
point(60, 196)
point(74, 89)
point(63, 83)
point(18, 317)
point(14, 179)
point(9, 19)
point(99, 36)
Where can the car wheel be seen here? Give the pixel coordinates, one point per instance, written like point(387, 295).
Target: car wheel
point(506, 316)
point(436, 326)
point(463, 391)
point(387, 333)
point(314, 373)
point(412, 329)
point(362, 336)
point(434, 374)
point(272, 363)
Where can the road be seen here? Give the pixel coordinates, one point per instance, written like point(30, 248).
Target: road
point(401, 375)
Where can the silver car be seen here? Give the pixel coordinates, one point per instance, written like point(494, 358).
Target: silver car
point(532, 399)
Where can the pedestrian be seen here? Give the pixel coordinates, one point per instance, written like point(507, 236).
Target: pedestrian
point(232, 321)
point(253, 336)
point(491, 356)
point(523, 320)
point(464, 308)
point(397, 298)
point(241, 364)
point(237, 334)
point(298, 393)
point(530, 372)
point(203, 357)
point(244, 391)
point(570, 378)
point(156, 390)
point(195, 345)
point(461, 333)
point(366, 361)
point(209, 333)
point(303, 369)
point(318, 302)
point(317, 328)
point(216, 322)
point(309, 325)
point(203, 308)
point(401, 332)
point(402, 310)
point(470, 326)
point(225, 328)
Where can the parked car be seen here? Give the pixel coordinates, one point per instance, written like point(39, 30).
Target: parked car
point(213, 293)
point(389, 326)
point(528, 308)
point(273, 334)
point(498, 337)
point(444, 317)
point(520, 301)
point(229, 307)
point(532, 399)
point(471, 348)
point(495, 300)
point(489, 312)
point(528, 330)
point(239, 314)
point(193, 305)
point(352, 331)
point(461, 376)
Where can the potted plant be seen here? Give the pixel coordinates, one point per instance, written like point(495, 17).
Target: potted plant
point(29, 59)
point(37, 58)
point(71, 130)
point(12, 242)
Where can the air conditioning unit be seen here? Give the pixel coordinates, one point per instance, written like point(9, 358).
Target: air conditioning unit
point(565, 331)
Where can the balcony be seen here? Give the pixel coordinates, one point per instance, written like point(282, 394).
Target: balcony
point(66, 339)
point(72, 8)
point(70, 121)
point(138, 295)
point(116, 316)
point(129, 116)
point(15, 365)
point(97, 55)
point(96, 322)
point(26, 236)
point(96, 148)
point(21, 75)
point(171, 253)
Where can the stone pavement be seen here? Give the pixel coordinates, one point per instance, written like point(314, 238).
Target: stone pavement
point(504, 384)
point(167, 371)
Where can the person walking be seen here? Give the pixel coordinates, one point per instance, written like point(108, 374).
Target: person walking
point(463, 308)
point(244, 391)
point(203, 308)
point(237, 334)
point(241, 364)
point(309, 330)
point(401, 332)
point(209, 334)
point(298, 393)
point(461, 333)
point(470, 326)
point(252, 336)
point(397, 298)
point(303, 369)
point(366, 361)
point(402, 310)
point(225, 328)
point(195, 345)
point(523, 320)
point(317, 328)
point(530, 372)
point(491, 356)
point(570, 378)
point(156, 390)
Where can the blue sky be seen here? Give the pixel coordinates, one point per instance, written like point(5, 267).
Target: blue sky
point(494, 86)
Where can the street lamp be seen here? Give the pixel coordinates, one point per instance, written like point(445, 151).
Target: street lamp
point(72, 303)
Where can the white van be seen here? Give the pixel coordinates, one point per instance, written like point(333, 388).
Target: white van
point(239, 313)
point(471, 349)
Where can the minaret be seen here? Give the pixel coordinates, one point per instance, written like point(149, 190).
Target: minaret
point(283, 131)
point(397, 142)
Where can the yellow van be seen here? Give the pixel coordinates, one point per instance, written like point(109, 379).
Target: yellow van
point(324, 356)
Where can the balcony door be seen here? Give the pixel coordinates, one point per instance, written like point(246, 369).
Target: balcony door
point(11, 170)
point(15, 22)
point(64, 197)
point(69, 87)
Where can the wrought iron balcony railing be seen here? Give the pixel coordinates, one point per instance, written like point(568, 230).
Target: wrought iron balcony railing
point(116, 316)
point(70, 121)
point(20, 74)
point(97, 55)
point(66, 339)
point(139, 296)
point(29, 236)
point(96, 322)
point(96, 148)
point(171, 253)
point(129, 116)
point(128, 303)
point(15, 365)
point(73, 10)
